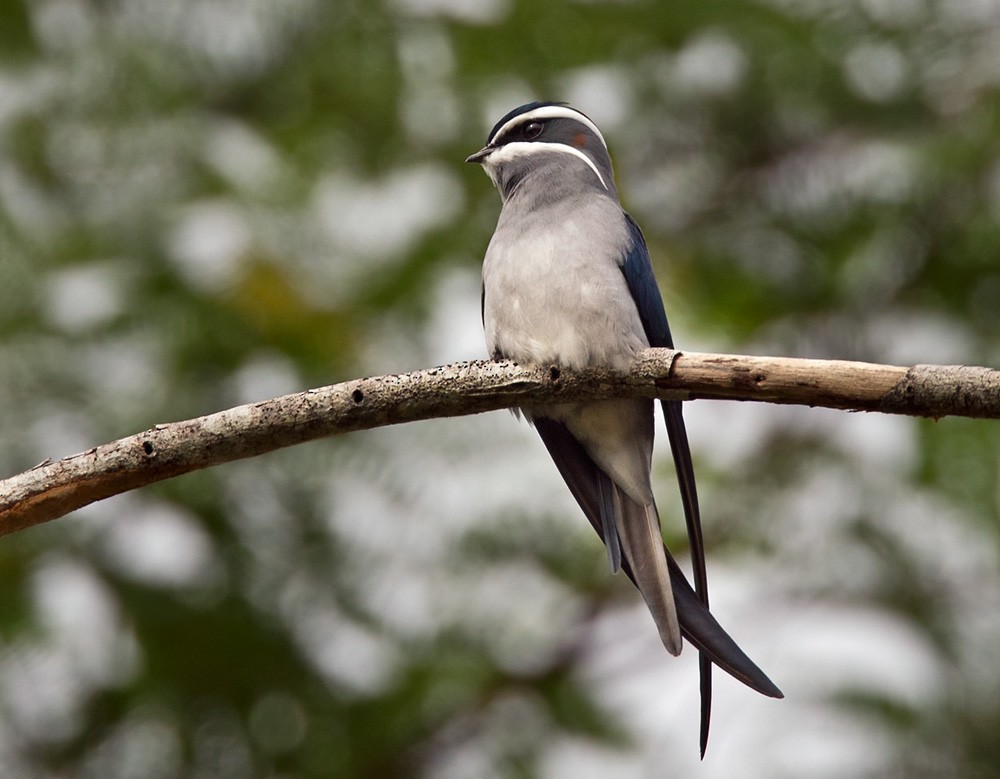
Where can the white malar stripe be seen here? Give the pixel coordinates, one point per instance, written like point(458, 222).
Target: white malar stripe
point(515, 149)
point(549, 112)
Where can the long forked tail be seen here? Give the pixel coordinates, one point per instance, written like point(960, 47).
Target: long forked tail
point(696, 623)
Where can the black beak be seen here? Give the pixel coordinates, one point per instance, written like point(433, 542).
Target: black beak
point(481, 155)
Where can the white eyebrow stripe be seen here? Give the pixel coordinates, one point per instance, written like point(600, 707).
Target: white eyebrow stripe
point(549, 112)
point(524, 148)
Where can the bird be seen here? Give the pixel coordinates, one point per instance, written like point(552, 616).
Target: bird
point(567, 281)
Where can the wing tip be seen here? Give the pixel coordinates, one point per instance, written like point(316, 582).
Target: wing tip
point(758, 682)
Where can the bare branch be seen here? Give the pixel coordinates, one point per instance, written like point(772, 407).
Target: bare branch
point(53, 489)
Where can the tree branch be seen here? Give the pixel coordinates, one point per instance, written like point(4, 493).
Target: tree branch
point(52, 489)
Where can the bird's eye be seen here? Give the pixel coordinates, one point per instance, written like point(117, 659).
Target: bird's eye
point(532, 130)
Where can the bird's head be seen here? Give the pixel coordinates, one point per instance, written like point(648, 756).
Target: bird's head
point(552, 137)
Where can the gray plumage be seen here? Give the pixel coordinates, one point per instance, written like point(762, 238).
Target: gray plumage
point(567, 281)
point(555, 295)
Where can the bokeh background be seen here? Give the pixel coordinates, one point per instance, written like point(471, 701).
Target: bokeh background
point(208, 202)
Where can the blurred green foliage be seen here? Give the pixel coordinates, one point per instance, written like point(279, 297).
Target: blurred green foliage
point(205, 202)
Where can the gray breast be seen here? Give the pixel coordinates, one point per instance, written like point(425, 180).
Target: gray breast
point(554, 291)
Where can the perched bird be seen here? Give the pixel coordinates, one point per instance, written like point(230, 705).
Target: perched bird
point(567, 281)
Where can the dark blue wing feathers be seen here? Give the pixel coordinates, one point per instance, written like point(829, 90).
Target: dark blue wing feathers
point(638, 270)
point(610, 531)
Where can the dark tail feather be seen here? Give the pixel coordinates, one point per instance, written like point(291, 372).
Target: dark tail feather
point(681, 451)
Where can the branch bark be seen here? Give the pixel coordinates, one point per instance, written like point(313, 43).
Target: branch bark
point(52, 489)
